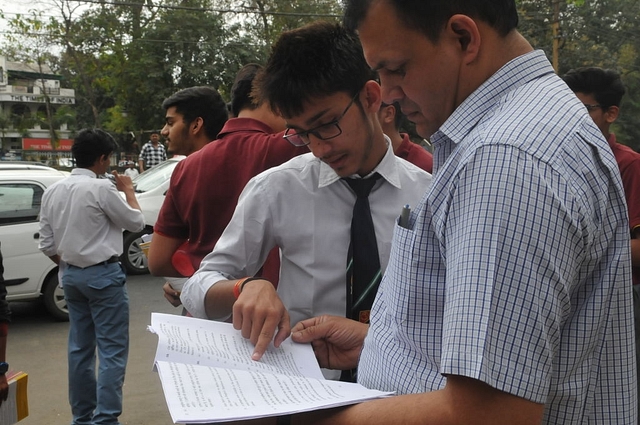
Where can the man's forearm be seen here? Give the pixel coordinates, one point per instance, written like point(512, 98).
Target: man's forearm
point(466, 401)
point(3, 348)
point(161, 253)
point(55, 258)
point(635, 252)
point(219, 300)
point(165, 269)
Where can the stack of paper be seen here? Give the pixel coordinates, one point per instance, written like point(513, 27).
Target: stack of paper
point(208, 376)
point(16, 407)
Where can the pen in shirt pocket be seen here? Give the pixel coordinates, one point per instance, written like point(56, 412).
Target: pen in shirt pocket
point(404, 216)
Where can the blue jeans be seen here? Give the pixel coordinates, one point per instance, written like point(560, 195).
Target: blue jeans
point(98, 306)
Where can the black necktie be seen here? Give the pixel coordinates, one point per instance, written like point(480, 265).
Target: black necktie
point(363, 262)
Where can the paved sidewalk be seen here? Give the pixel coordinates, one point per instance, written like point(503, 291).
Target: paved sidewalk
point(38, 346)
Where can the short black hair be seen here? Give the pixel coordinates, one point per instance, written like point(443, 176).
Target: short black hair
point(605, 85)
point(242, 87)
point(316, 60)
point(204, 102)
point(431, 16)
point(91, 144)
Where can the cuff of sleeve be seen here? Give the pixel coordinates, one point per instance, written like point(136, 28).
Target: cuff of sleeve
point(50, 252)
point(194, 292)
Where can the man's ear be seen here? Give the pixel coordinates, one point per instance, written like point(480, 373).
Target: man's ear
point(372, 98)
point(387, 114)
point(611, 114)
point(466, 32)
point(196, 125)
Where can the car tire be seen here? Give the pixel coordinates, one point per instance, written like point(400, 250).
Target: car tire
point(133, 259)
point(53, 298)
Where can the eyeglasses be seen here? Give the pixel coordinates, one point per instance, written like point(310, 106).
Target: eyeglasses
point(592, 107)
point(323, 132)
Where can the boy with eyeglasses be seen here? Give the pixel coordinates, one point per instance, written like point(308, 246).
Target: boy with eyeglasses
point(601, 92)
point(329, 100)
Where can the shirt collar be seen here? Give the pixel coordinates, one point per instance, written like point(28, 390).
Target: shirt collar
point(83, 172)
point(244, 124)
point(512, 75)
point(387, 168)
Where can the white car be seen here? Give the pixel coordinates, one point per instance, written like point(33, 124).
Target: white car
point(151, 188)
point(28, 273)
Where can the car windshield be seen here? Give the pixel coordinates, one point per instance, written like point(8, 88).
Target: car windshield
point(154, 177)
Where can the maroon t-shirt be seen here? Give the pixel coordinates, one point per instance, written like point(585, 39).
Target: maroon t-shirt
point(205, 186)
point(629, 164)
point(415, 154)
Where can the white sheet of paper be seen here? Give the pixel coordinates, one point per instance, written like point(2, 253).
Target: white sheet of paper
point(208, 376)
point(205, 342)
point(202, 394)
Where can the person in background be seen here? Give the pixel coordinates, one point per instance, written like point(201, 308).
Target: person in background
point(152, 153)
point(390, 117)
point(193, 117)
point(601, 92)
point(131, 171)
point(305, 206)
point(81, 224)
point(507, 299)
point(205, 187)
point(5, 318)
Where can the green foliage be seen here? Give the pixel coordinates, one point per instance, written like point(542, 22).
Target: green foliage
point(124, 58)
point(130, 56)
point(602, 33)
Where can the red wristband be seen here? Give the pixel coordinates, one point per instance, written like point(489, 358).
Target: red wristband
point(238, 287)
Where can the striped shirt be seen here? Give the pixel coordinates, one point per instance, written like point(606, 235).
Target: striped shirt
point(515, 269)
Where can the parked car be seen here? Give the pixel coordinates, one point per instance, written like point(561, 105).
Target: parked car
point(28, 273)
point(151, 187)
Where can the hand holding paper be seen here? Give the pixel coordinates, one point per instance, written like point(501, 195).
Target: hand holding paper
point(336, 341)
point(208, 376)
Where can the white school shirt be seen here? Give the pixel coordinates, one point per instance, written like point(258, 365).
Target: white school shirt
point(305, 208)
point(82, 218)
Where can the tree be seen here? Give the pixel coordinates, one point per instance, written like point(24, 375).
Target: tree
point(602, 33)
point(32, 46)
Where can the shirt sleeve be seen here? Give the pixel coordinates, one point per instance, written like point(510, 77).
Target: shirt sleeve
point(46, 243)
point(143, 152)
point(240, 251)
point(117, 209)
point(170, 221)
point(631, 183)
point(506, 280)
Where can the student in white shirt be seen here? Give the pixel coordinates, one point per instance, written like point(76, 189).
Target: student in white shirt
point(81, 224)
point(330, 102)
point(132, 171)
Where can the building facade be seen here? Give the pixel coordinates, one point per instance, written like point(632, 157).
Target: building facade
point(25, 129)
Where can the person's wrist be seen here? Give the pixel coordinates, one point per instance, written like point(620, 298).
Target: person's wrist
point(247, 280)
point(238, 287)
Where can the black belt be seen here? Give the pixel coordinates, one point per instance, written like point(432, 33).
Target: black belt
point(110, 260)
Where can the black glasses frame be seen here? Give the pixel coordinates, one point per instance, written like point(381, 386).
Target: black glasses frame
point(592, 107)
point(301, 138)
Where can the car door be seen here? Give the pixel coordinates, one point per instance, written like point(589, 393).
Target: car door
point(25, 266)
